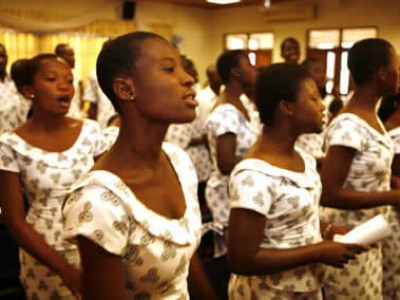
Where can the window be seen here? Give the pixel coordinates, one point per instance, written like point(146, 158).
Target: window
point(331, 46)
point(258, 46)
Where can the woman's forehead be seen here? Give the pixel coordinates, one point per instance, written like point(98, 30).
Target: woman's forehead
point(157, 48)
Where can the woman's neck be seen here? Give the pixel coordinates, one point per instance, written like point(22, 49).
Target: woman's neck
point(232, 92)
point(140, 144)
point(276, 141)
point(47, 123)
point(366, 99)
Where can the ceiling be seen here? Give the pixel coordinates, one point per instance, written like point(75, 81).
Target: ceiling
point(205, 4)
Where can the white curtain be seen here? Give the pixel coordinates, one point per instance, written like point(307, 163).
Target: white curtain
point(35, 23)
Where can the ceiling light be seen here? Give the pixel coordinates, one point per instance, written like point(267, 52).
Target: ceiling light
point(223, 1)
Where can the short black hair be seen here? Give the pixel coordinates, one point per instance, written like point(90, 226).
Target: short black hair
point(309, 61)
point(119, 57)
point(59, 48)
point(34, 65)
point(19, 73)
point(281, 81)
point(368, 56)
point(227, 61)
point(335, 106)
point(289, 40)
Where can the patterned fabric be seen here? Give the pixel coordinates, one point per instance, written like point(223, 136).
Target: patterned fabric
point(226, 118)
point(46, 178)
point(156, 250)
point(7, 91)
point(290, 203)
point(110, 135)
point(311, 143)
point(369, 171)
point(391, 245)
point(94, 94)
point(14, 113)
point(181, 135)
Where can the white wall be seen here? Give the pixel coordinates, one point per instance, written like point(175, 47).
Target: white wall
point(202, 30)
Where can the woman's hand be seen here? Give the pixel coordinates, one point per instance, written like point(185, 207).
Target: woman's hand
point(336, 230)
point(338, 254)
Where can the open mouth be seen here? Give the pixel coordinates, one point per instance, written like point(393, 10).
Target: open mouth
point(190, 99)
point(64, 99)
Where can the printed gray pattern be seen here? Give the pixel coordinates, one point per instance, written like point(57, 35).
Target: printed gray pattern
point(156, 250)
point(312, 144)
point(8, 91)
point(290, 203)
point(226, 118)
point(46, 178)
point(370, 171)
point(14, 113)
point(391, 245)
point(181, 135)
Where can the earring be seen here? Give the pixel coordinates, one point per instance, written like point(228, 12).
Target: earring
point(132, 94)
point(32, 96)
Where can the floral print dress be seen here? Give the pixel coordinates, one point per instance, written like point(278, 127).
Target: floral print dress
point(370, 171)
point(391, 246)
point(226, 118)
point(46, 179)
point(156, 250)
point(290, 203)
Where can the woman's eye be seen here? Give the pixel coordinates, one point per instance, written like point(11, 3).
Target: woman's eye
point(50, 79)
point(169, 69)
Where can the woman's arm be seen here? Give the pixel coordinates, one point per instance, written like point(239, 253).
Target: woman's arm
point(246, 257)
point(13, 212)
point(199, 286)
point(103, 272)
point(226, 158)
point(334, 172)
point(396, 165)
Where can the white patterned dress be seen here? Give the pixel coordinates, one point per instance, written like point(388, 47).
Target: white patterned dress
point(46, 178)
point(156, 250)
point(14, 113)
point(370, 171)
point(289, 201)
point(391, 246)
point(226, 118)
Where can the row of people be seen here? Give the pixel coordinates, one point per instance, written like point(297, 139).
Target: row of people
point(134, 212)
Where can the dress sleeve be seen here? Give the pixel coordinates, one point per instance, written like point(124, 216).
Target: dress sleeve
point(225, 121)
point(347, 133)
point(99, 140)
point(250, 190)
point(396, 140)
point(99, 215)
point(8, 159)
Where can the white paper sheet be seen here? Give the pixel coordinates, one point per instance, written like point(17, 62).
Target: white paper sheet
point(367, 233)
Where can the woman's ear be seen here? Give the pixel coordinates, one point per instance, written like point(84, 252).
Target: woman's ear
point(382, 73)
point(235, 72)
point(28, 92)
point(286, 107)
point(124, 88)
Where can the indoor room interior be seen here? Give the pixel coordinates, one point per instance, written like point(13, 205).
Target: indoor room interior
point(201, 30)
